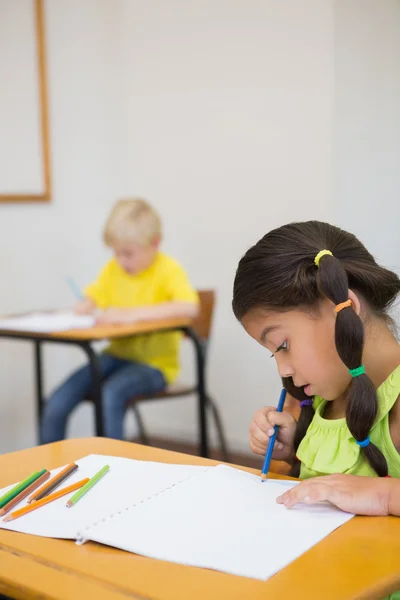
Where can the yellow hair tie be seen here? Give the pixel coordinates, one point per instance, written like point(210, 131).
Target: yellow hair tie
point(342, 305)
point(320, 255)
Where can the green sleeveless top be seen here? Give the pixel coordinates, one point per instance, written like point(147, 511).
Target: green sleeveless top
point(328, 446)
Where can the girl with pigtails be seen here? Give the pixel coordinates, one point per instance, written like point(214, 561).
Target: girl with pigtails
point(318, 301)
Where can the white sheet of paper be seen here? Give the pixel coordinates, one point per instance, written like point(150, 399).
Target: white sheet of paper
point(222, 519)
point(48, 322)
point(127, 482)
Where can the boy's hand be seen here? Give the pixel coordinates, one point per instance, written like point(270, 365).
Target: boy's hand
point(116, 316)
point(85, 307)
point(351, 493)
point(262, 428)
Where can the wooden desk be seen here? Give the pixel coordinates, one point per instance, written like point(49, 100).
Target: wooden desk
point(361, 560)
point(84, 338)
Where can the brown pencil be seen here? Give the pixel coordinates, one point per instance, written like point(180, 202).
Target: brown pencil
point(7, 507)
point(53, 483)
point(43, 501)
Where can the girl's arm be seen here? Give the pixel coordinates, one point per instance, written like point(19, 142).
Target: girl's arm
point(360, 495)
point(394, 497)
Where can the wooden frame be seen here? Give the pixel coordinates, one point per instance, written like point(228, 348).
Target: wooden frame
point(45, 196)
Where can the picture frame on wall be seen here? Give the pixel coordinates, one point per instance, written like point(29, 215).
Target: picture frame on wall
point(25, 174)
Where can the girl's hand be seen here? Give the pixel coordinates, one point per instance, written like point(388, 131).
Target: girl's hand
point(262, 428)
point(354, 494)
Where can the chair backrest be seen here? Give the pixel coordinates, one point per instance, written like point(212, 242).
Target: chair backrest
point(203, 321)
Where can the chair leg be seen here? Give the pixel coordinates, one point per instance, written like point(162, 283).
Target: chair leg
point(220, 429)
point(142, 431)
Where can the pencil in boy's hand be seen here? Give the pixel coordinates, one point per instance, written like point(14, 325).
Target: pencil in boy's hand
point(271, 443)
point(7, 507)
point(87, 487)
point(10, 495)
point(74, 288)
point(53, 483)
point(46, 500)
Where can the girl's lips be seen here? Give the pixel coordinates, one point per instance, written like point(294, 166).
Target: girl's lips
point(307, 389)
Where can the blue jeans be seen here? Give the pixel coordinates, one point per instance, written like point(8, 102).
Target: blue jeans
point(122, 380)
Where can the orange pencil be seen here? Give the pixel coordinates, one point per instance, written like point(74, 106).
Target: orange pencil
point(43, 501)
point(54, 482)
point(7, 507)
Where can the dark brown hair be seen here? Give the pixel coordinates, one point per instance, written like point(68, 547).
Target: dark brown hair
point(279, 273)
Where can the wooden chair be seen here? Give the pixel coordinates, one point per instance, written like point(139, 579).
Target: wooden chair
point(202, 327)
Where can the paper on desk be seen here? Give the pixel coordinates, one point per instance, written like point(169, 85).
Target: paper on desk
point(48, 322)
point(127, 482)
point(222, 519)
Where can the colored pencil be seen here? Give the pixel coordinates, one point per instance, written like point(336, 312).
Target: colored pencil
point(74, 288)
point(53, 483)
point(88, 486)
point(43, 501)
point(19, 487)
point(271, 443)
point(24, 493)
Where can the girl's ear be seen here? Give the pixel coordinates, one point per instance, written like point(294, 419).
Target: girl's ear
point(355, 301)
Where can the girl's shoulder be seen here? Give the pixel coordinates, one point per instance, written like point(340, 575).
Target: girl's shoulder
point(388, 394)
point(392, 397)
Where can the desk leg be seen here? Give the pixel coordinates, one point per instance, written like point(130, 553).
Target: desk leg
point(96, 386)
point(39, 384)
point(201, 389)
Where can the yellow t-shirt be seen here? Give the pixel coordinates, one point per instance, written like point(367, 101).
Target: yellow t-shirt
point(163, 281)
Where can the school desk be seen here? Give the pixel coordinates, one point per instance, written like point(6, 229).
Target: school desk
point(357, 561)
point(84, 338)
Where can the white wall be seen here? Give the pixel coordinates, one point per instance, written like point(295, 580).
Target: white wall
point(229, 133)
point(232, 117)
point(41, 244)
point(367, 123)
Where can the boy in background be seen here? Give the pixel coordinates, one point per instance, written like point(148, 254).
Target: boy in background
point(139, 283)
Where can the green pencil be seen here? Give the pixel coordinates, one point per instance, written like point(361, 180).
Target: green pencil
point(10, 495)
point(74, 499)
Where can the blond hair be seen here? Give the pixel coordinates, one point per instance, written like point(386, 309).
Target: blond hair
point(132, 220)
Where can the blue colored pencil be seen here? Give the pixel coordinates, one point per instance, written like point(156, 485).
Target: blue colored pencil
point(271, 443)
point(74, 288)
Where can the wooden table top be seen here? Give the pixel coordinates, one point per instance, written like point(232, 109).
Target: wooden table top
point(101, 332)
point(360, 560)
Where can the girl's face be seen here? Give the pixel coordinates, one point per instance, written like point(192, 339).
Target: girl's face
point(303, 345)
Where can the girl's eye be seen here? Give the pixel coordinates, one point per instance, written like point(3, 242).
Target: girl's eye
point(283, 346)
